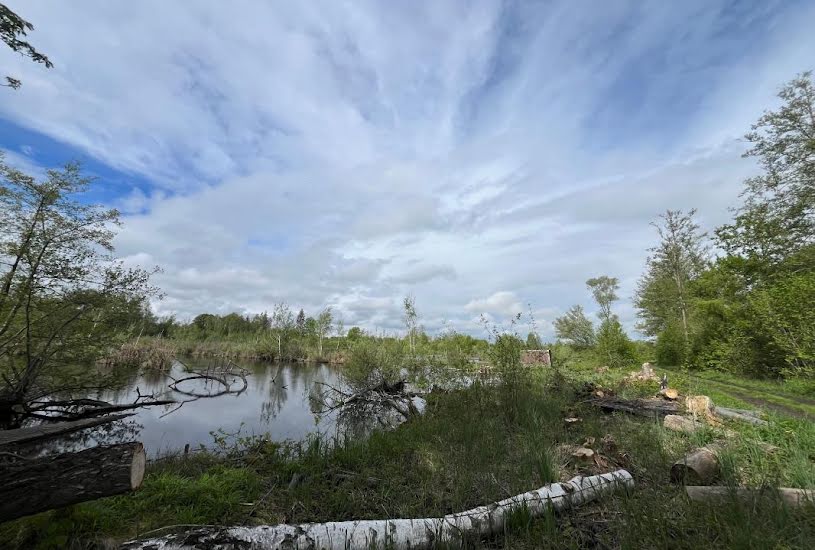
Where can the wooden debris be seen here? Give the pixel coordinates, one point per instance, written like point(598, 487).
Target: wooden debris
point(583, 453)
point(742, 415)
point(724, 495)
point(572, 420)
point(678, 423)
point(642, 407)
point(669, 393)
point(32, 485)
point(699, 467)
point(396, 534)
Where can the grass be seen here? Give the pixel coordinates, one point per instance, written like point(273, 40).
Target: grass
point(471, 447)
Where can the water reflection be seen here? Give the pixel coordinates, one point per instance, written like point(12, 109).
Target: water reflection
point(278, 401)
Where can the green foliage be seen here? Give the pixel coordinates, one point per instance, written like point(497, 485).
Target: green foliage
point(614, 347)
point(13, 29)
point(575, 328)
point(670, 346)
point(533, 341)
point(604, 289)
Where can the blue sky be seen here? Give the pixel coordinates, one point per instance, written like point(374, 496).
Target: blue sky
point(487, 157)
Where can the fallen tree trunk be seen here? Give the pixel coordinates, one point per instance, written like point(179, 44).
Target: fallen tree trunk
point(740, 414)
point(32, 485)
point(49, 431)
point(394, 533)
point(725, 495)
point(643, 407)
point(681, 423)
point(699, 467)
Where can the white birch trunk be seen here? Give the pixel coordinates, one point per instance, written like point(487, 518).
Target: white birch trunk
point(394, 533)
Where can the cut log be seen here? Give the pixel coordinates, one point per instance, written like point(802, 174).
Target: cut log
point(679, 423)
point(49, 431)
point(395, 533)
point(742, 415)
point(725, 495)
point(700, 467)
point(29, 486)
point(651, 408)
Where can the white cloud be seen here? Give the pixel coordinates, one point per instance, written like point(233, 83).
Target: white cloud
point(480, 155)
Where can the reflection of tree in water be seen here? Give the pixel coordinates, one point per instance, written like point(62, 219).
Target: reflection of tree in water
point(276, 397)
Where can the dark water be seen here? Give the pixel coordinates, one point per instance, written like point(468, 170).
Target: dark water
point(279, 401)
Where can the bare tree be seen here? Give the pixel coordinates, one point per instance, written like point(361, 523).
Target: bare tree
point(323, 326)
point(411, 319)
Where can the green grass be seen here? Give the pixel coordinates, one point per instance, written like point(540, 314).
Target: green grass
point(471, 447)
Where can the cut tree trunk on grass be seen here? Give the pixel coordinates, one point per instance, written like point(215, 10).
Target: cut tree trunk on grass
point(725, 495)
point(700, 467)
point(32, 485)
point(643, 407)
point(49, 431)
point(395, 533)
point(751, 417)
point(679, 423)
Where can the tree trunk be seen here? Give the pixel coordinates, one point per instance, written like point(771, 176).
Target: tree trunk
point(642, 407)
point(32, 485)
point(395, 533)
point(725, 495)
point(700, 467)
point(48, 431)
point(740, 414)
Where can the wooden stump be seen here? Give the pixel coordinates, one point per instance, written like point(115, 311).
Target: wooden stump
point(700, 467)
point(32, 485)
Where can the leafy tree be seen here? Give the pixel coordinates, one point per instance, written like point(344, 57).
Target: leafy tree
point(323, 327)
point(664, 293)
point(613, 344)
point(282, 323)
point(533, 341)
point(354, 334)
point(777, 218)
point(13, 29)
point(300, 322)
point(604, 289)
point(574, 327)
point(59, 284)
point(411, 319)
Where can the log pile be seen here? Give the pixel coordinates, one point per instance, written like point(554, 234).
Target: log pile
point(396, 533)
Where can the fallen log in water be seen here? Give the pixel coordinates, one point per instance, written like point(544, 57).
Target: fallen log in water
point(394, 533)
point(49, 431)
point(32, 485)
point(724, 495)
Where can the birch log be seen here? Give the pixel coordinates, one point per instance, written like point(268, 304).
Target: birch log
point(393, 533)
point(32, 485)
point(740, 414)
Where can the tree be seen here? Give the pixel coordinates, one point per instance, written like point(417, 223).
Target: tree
point(777, 218)
point(282, 322)
point(354, 334)
point(533, 341)
point(663, 294)
point(613, 344)
point(575, 328)
point(60, 283)
point(12, 30)
point(323, 326)
point(411, 319)
point(301, 322)
point(604, 290)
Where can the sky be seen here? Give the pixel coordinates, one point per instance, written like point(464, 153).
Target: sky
point(485, 157)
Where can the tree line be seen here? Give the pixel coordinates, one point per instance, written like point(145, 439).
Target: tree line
point(741, 298)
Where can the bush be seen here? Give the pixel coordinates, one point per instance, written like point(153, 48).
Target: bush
point(614, 348)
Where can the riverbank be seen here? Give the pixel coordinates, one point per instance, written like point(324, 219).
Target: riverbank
point(469, 448)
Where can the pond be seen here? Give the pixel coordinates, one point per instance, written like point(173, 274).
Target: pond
point(278, 402)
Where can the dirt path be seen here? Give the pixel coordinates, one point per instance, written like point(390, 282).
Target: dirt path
point(761, 398)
